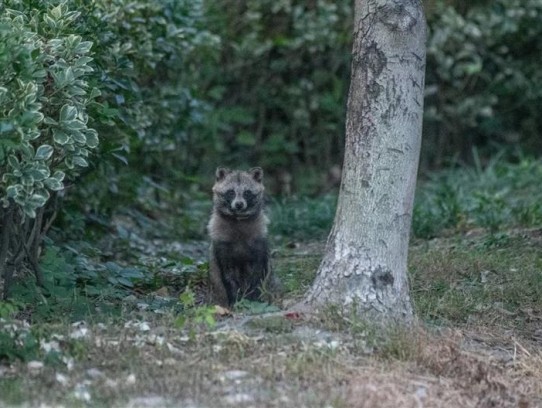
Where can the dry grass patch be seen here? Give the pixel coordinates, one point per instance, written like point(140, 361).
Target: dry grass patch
point(445, 373)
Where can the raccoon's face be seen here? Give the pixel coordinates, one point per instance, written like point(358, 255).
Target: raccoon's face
point(238, 194)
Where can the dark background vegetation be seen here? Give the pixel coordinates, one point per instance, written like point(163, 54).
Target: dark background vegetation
point(176, 87)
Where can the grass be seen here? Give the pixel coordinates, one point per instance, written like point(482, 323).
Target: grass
point(12, 391)
point(476, 284)
point(496, 197)
point(471, 282)
point(296, 267)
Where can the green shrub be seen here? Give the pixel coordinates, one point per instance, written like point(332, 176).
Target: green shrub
point(45, 93)
point(279, 85)
point(303, 217)
point(483, 80)
point(43, 105)
point(71, 69)
point(148, 57)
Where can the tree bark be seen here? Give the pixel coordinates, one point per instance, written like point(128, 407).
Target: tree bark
point(364, 266)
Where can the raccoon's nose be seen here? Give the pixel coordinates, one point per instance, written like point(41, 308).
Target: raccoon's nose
point(239, 205)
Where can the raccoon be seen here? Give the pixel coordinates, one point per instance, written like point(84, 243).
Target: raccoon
point(239, 253)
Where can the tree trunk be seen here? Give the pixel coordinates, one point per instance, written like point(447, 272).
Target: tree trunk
point(364, 266)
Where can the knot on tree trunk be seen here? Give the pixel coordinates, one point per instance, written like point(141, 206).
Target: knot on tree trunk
point(381, 278)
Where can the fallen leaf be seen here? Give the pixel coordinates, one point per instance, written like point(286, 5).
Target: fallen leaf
point(222, 311)
point(293, 315)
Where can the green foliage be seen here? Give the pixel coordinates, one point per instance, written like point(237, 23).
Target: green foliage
point(483, 79)
point(8, 309)
point(21, 342)
point(495, 196)
point(194, 316)
point(71, 68)
point(303, 217)
point(280, 86)
point(498, 196)
point(17, 343)
point(58, 292)
point(75, 286)
point(148, 56)
point(44, 97)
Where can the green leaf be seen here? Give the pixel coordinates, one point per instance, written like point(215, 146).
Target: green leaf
point(74, 125)
point(79, 138)
point(120, 158)
point(181, 321)
point(94, 93)
point(39, 174)
point(60, 137)
point(31, 118)
point(83, 61)
point(44, 152)
point(53, 184)
point(27, 180)
point(13, 162)
point(56, 12)
point(92, 138)
point(68, 161)
point(80, 161)
point(83, 47)
point(6, 126)
point(32, 135)
point(210, 320)
point(40, 73)
point(132, 273)
point(68, 113)
point(75, 90)
point(187, 298)
point(126, 282)
point(29, 210)
point(70, 77)
point(59, 175)
point(51, 23)
point(13, 191)
point(50, 121)
point(38, 200)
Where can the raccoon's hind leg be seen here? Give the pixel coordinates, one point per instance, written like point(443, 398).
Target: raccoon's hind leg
point(225, 273)
point(217, 291)
point(258, 269)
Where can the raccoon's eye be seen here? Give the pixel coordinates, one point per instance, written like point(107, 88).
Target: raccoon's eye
point(229, 195)
point(248, 195)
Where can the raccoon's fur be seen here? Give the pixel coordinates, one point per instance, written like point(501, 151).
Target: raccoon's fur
point(239, 254)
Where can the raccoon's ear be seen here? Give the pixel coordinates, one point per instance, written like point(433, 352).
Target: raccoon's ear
point(221, 172)
point(256, 173)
